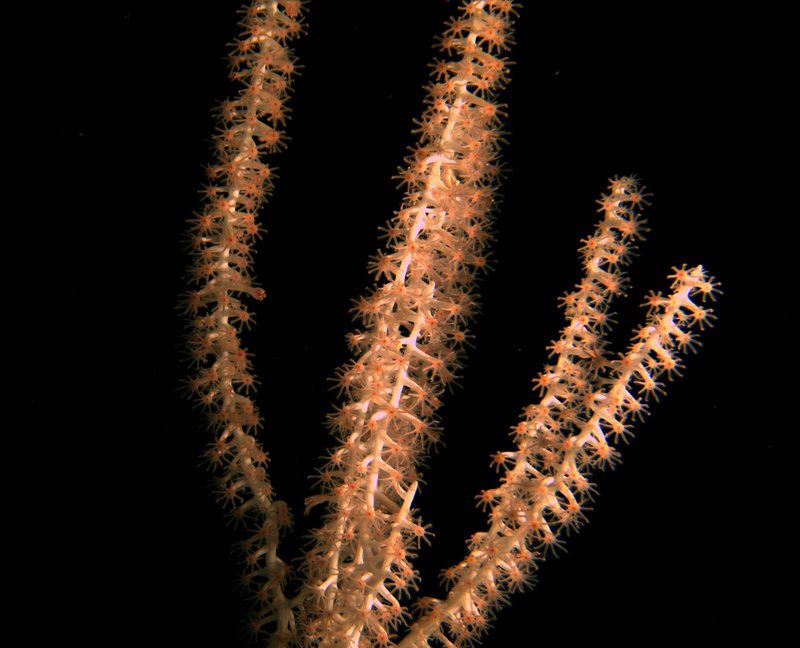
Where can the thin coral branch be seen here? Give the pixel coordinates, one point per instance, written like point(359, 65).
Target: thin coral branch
point(546, 487)
point(222, 241)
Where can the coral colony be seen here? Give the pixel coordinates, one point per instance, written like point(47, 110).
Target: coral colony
point(357, 574)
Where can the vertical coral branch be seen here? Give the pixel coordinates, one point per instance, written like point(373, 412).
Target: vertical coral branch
point(409, 347)
point(222, 238)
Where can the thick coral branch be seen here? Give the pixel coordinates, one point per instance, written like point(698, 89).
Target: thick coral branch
point(409, 347)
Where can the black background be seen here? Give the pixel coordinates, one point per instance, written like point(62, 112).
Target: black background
point(125, 538)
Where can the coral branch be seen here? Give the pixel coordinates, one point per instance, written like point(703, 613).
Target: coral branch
point(547, 488)
point(222, 239)
point(409, 347)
